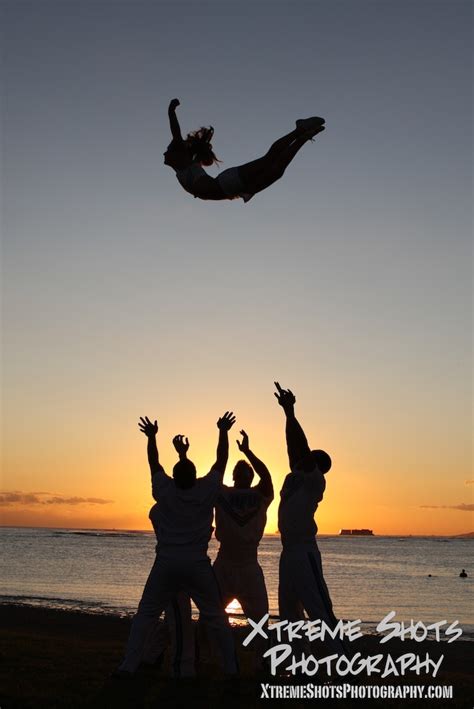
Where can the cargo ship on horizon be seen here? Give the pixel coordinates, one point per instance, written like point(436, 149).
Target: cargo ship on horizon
point(356, 533)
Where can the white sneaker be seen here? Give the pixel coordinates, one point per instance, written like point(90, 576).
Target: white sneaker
point(306, 125)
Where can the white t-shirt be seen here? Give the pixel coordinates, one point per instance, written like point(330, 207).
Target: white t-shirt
point(300, 495)
point(182, 519)
point(241, 515)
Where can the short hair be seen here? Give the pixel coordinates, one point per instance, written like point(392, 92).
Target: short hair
point(184, 474)
point(322, 460)
point(243, 469)
point(317, 458)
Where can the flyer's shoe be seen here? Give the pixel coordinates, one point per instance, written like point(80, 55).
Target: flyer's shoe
point(309, 125)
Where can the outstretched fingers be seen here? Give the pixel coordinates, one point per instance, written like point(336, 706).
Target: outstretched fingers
point(285, 397)
point(243, 445)
point(226, 421)
point(181, 443)
point(147, 427)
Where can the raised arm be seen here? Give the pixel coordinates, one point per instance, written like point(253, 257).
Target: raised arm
point(174, 123)
point(150, 430)
point(296, 441)
point(265, 483)
point(224, 424)
point(181, 445)
point(158, 475)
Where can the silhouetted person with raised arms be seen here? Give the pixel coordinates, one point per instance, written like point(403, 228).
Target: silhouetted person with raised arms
point(188, 157)
point(302, 585)
point(241, 515)
point(182, 520)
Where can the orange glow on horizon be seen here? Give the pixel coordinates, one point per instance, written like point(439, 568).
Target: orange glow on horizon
point(115, 471)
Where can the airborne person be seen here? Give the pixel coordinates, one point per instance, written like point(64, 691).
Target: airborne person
point(188, 157)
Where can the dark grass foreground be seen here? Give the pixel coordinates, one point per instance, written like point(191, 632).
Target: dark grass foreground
point(61, 659)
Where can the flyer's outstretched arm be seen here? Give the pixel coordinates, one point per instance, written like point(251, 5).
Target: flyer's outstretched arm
point(174, 123)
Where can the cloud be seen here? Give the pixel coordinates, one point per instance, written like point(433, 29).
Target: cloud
point(469, 482)
point(47, 498)
point(76, 501)
point(463, 507)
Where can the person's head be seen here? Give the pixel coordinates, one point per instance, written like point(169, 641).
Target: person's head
point(184, 474)
point(177, 155)
point(315, 458)
point(242, 474)
point(199, 146)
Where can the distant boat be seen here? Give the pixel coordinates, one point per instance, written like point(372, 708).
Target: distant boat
point(356, 533)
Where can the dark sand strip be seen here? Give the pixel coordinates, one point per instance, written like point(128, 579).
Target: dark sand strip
point(63, 659)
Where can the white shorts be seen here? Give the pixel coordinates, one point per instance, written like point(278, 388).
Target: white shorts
point(245, 582)
point(231, 184)
point(168, 577)
point(302, 586)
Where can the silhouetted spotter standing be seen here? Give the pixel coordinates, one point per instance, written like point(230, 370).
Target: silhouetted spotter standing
point(301, 584)
point(183, 522)
point(241, 515)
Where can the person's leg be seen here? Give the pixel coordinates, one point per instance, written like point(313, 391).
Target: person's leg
point(260, 174)
point(252, 592)
point(223, 576)
point(314, 595)
point(282, 144)
point(252, 596)
point(157, 640)
point(289, 605)
point(251, 170)
point(204, 591)
point(180, 623)
point(156, 595)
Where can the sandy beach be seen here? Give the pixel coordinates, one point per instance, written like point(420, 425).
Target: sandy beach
point(61, 659)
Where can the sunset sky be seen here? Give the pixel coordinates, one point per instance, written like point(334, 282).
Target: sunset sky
point(349, 281)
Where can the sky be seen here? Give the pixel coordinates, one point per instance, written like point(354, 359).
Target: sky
point(349, 280)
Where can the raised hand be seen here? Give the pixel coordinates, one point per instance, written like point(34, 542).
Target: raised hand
point(244, 444)
point(174, 103)
point(147, 427)
point(226, 422)
point(181, 444)
point(285, 397)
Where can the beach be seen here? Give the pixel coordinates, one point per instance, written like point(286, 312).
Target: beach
point(56, 658)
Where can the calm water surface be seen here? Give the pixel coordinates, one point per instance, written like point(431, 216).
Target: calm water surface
point(104, 572)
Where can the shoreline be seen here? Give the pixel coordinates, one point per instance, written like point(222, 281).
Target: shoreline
point(368, 628)
point(58, 658)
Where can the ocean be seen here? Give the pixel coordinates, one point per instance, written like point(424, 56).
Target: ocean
point(104, 572)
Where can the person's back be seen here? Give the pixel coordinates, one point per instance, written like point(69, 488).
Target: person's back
point(241, 510)
point(299, 498)
point(301, 581)
point(241, 515)
point(182, 522)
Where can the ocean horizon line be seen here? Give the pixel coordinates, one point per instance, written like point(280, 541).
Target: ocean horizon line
point(463, 535)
